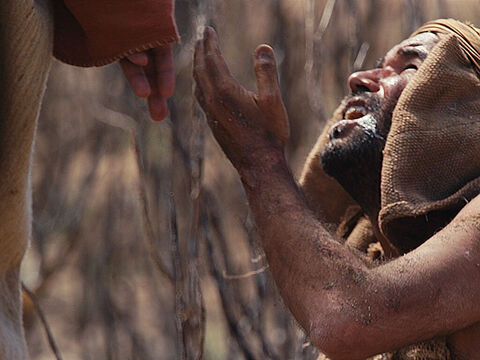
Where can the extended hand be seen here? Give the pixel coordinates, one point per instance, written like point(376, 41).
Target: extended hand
point(242, 122)
point(151, 75)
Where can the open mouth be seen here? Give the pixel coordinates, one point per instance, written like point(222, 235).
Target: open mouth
point(355, 109)
point(355, 113)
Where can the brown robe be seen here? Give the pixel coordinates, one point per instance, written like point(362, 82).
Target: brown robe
point(99, 32)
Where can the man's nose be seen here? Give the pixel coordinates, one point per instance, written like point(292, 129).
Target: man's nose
point(364, 81)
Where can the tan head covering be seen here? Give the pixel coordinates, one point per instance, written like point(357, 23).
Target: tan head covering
point(432, 153)
point(467, 35)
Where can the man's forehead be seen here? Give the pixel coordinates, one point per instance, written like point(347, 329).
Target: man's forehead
point(427, 40)
point(419, 44)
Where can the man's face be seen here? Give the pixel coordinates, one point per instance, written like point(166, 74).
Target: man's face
point(356, 141)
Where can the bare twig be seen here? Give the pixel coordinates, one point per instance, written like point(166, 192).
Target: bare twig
point(415, 16)
point(195, 325)
point(245, 275)
point(147, 222)
point(187, 159)
point(257, 258)
point(129, 124)
point(234, 309)
point(313, 61)
point(189, 307)
point(226, 297)
point(361, 55)
point(178, 276)
point(113, 118)
point(43, 319)
point(325, 20)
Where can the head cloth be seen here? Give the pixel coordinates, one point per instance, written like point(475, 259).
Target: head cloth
point(467, 35)
point(431, 163)
point(431, 160)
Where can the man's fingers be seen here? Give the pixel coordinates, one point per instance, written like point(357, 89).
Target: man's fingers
point(200, 72)
point(151, 75)
point(160, 73)
point(140, 59)
point(164, 70)
point(157, 107)
point(210, 69)
point(136, 77)
point(269, 94)
point(266, 74)
point(215, 62)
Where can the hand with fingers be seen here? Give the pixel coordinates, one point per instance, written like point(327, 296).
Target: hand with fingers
point(247, 126)
point(151, 75)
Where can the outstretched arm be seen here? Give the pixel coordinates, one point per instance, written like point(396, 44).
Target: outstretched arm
point(349, 310)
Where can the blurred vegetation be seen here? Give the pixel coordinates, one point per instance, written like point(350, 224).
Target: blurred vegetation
point(143, 245)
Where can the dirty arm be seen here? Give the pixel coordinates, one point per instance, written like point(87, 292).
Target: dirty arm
point(348, 310)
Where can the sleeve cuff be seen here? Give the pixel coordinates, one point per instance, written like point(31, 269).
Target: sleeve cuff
point(97, 33)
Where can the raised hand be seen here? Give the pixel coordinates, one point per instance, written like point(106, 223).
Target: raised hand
point(151, 75)
point(246, 125)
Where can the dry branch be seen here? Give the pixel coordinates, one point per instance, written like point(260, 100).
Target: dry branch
point(244, 275)
point(147, 222)
point(313, 56)
point(43, 319)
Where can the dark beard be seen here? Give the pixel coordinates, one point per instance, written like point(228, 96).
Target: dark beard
point(356, 162)
point(356, 157)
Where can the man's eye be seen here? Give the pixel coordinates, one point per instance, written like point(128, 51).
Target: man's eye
point(411, 66)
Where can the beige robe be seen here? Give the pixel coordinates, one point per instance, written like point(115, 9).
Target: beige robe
point(26, 46)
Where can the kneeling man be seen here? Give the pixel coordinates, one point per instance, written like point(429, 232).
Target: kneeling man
point(396, 169)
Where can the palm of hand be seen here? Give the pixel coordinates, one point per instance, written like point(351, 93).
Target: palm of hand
point(243, 123)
